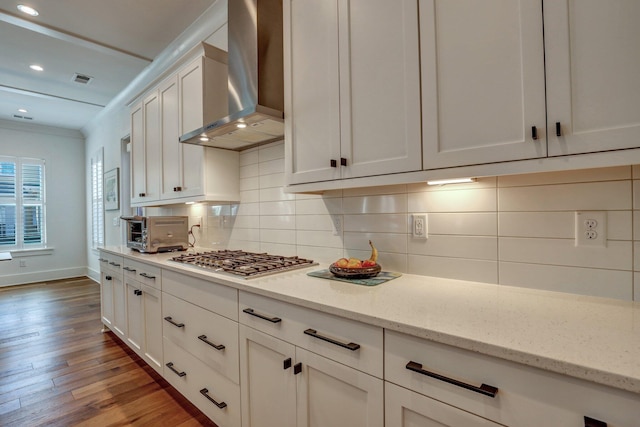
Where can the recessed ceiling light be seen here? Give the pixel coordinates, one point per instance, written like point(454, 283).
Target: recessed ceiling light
point(22, 110)
point(28, 10)
point(36, 67)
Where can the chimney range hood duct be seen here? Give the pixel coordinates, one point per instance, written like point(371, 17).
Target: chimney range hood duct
point(256, 82)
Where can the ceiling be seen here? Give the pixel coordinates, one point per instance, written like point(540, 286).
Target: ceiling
point(109, 41)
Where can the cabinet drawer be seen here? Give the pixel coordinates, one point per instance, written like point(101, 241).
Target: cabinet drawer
point(219, 299)
point(526, 396)
point(146, 274)
point(111, 263)
point(208, 336)
point(346, 341)
point(212, 393)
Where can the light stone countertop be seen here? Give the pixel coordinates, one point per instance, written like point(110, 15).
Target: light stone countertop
point(591, 338)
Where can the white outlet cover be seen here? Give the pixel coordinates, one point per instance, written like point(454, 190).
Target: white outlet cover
point(419, 231)
point(591, 228)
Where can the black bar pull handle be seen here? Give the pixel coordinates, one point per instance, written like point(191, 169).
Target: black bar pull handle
point(287, 363)
point(132, 270)
point(108, 277)
point(262, 316)
point(137, 292)
point(534, 133)
point(592, 422)
point(558, 129)
point(170, 320)
point(343, 161)
point(349, 346)
point(297, 368)
point(148, 276)
point(203, 338)
point(484, 389)
point(205, 393)
point(176, 189)
point(115, 264)
point(334, 163)
point(142, 194)
point(103, 260)
point(175, 371)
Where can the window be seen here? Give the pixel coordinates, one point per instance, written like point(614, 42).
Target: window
point(22, 203)
point(97, 201)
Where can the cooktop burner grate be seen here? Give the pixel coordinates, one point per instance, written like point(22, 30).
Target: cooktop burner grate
point(243, 264)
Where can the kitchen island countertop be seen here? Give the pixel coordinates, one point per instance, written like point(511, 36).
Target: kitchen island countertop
point(591, 338)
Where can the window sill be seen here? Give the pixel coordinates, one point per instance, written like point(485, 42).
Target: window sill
point(19, 253)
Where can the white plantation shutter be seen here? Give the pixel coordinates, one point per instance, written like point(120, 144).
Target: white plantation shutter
point(97, 201)
point(22, 203)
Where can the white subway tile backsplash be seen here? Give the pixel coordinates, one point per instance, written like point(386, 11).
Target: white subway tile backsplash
point(396, 203)
point(578, 280)
point(610, 195)
point(376, 223)
point(616, 256)
point(454, 268)
point(513, 230)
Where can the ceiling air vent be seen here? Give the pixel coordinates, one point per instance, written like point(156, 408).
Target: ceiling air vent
point(82, 79)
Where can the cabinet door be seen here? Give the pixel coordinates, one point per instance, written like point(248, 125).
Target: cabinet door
point(152, 156)
point(152, 312)
point(191, 82)
point(379, 87)
point(169, 133)
point(405, 408)
point(106, 298)
point(482, 81)
point(312, 90)
point(267, 382)
point(593, 64)
point(135, 332)
point(332, 394)
point(138, 185)
point(119, 307)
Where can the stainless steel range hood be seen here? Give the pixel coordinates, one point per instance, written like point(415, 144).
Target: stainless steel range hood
point(256, 87)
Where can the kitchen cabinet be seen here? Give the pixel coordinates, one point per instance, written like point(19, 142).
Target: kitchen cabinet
point(351, 89)
point(110, 273)
point(592, 64)
point(200, 341)
point(465, 382)
point(163, 169)
point(144, 311)
point(330, 359)
point(482, 66)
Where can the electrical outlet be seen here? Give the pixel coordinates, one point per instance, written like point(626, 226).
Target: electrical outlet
point(591, 228)
point(116, 222)
point(419, 226)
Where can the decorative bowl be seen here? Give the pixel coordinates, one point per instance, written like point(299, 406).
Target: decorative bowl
point(355, 273)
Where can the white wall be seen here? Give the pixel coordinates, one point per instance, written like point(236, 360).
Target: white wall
point(63, 152)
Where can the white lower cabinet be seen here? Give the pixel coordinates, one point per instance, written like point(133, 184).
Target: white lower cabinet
point(461, 380)
point(284, 383)
point(406, 408)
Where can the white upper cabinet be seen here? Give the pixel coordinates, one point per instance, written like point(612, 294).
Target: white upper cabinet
point(593, 66)
point(482, 66)
point(351, 89)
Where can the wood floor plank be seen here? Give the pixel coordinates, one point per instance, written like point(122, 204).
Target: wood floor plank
point(58, 369)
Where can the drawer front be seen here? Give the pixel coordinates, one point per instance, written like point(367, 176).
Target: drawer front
point(146, 274)
point(111, 263)
point(217, 397)
point(210, 337)
point(211, 296)
point(346, 341)
point(526, 396)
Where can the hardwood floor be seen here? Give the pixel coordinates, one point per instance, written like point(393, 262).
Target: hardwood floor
point(58, 369)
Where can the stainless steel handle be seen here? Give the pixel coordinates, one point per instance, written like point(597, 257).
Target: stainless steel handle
point(205, 393)
point(349, 346)
point(203, 338)
point(484, 389)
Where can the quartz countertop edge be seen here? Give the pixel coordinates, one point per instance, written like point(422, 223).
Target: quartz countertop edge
point(591, 338)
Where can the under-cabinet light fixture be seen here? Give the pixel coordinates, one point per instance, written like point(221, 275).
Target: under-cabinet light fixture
point(22, 110)
point(451, 181)
point(36, 67)
point(28, 10)
point(241, 125)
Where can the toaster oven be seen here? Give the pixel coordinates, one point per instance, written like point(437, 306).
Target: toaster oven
point(151, 234)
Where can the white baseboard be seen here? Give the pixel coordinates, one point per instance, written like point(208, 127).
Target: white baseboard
point(43, 276)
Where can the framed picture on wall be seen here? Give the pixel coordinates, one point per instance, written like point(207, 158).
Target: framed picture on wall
point(112, 190)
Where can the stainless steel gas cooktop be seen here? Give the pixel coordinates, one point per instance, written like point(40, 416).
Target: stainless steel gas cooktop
point(243, 264)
